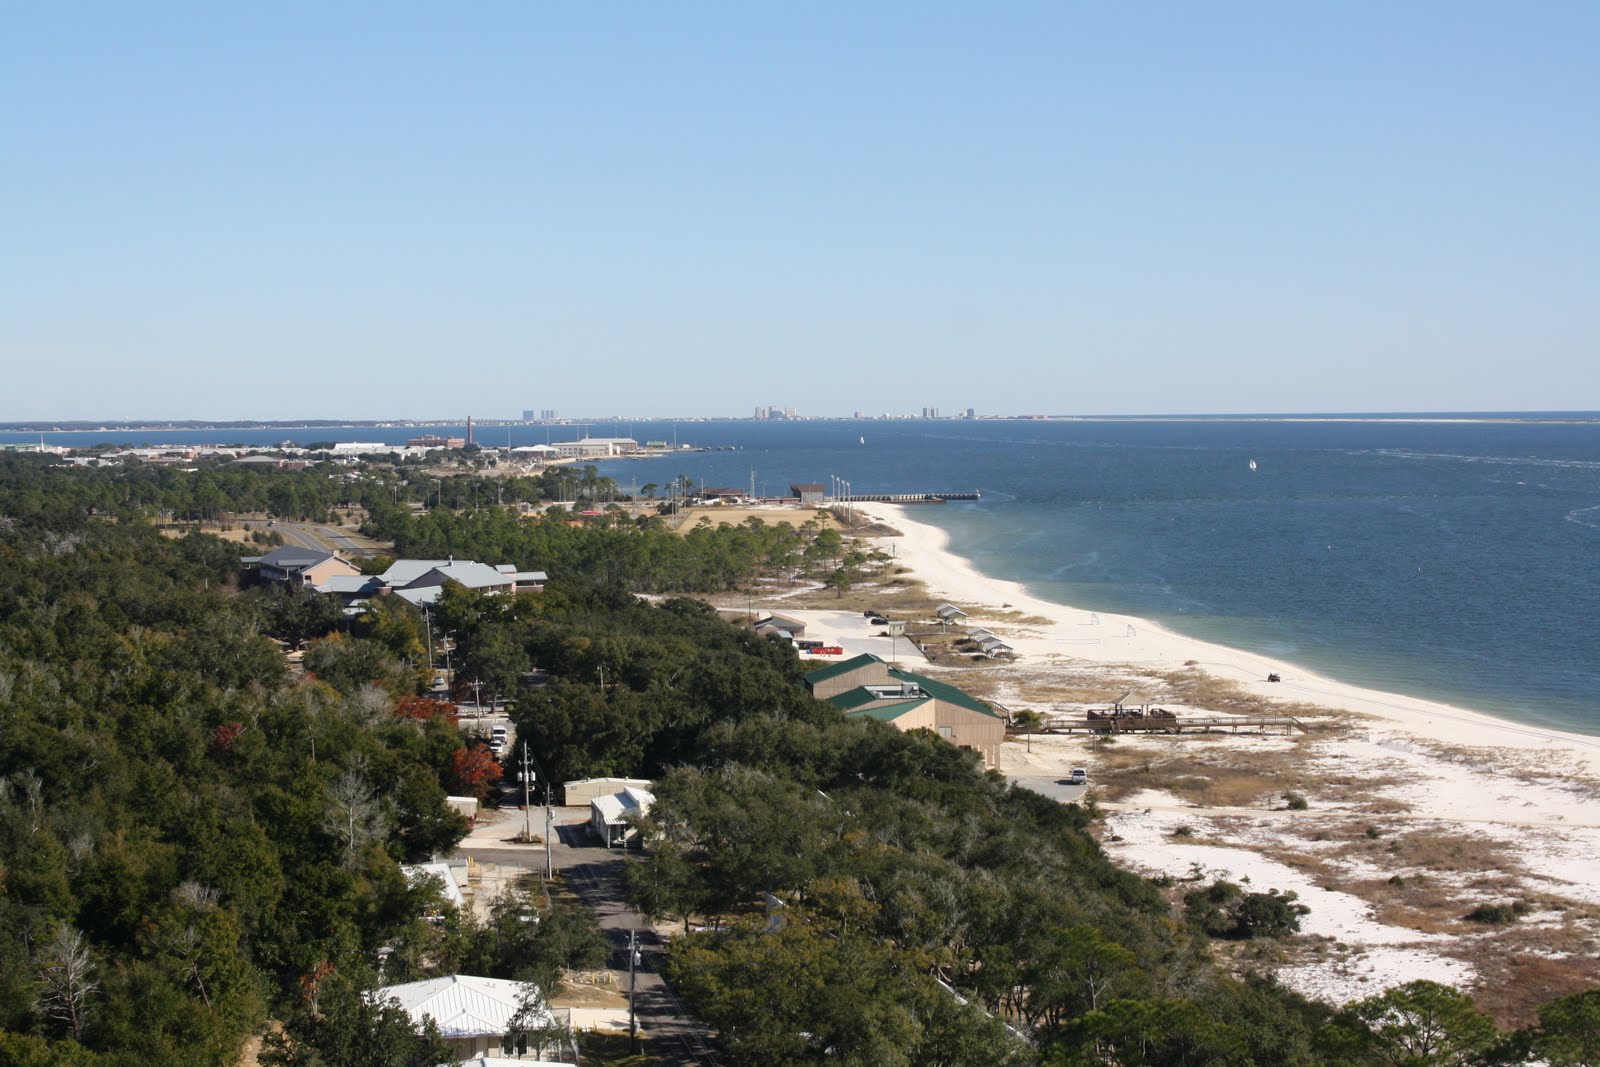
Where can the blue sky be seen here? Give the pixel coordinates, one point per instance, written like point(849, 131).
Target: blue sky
point(409, 210)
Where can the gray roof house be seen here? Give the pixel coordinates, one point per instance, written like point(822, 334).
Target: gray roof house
point(301, 566)
point(420, 581)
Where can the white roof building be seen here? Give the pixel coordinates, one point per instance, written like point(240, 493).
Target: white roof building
point(583, 790)
point(595, 447)
point(416, 872)
point(612, 816)
point(472, 1013)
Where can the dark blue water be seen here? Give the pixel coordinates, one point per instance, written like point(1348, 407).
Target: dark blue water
point(1455, 561)
point(1458, 561)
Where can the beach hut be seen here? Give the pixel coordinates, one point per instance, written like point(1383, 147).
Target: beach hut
point(949, 613)
point(994, 648)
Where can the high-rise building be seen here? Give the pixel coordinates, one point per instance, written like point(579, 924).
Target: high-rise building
point(549, 414)
point(761, 412)
point(527, 415)
point(972, 413)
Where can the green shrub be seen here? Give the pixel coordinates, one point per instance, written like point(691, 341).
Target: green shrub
point(1497, 914)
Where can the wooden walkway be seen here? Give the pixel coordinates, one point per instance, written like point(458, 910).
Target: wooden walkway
point(1177, 725)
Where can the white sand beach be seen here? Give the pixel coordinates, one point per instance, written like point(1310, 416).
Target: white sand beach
point(1389, 779)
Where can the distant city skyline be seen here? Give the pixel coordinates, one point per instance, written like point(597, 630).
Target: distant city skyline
point(308, 212)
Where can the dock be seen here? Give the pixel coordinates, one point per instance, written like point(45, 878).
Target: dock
point(904, 498)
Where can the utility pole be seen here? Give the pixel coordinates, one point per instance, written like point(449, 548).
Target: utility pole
point(527, 811)
point(633, 960)
point(427, 621)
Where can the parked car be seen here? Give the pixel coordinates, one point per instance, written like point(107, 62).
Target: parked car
point(828, 650)
point(1080, 776)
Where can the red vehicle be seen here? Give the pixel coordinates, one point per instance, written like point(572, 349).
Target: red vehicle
point(828, 650)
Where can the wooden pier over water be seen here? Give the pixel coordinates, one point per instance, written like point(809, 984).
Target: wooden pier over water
point(904, 498)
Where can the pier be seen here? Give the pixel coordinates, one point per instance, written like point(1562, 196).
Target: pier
point(904, 498)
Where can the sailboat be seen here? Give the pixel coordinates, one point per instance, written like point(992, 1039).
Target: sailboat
point(1252, 464)
point(863, 440)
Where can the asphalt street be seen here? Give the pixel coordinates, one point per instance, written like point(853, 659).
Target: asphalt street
point(597, 875)
point(1051, 787)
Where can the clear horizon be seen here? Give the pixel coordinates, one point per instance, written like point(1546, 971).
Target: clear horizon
point(371, 213)
point(84, 425)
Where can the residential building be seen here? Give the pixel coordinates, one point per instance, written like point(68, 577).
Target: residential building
point(584, 790)
point(867, 687)
point(787, 625)
point(294, 565)
point(473, 1014)
point(612, 817)
point(420, 581)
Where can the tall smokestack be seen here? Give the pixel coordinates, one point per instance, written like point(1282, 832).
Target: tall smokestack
point(469, 431)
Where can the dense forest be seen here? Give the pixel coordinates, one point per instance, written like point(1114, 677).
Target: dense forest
point(194, 842)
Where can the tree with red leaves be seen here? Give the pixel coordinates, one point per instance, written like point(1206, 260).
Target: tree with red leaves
point(223, 737)
point(425, 709)
point(471, 771)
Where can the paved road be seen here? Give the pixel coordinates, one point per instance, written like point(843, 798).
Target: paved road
point(597, 875)
point(309, 535)
point(1051, 787)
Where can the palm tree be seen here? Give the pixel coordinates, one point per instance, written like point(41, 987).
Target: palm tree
point(1030, 721)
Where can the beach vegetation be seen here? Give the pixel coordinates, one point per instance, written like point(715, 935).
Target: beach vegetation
point(1294, 802)
point(1498, 914)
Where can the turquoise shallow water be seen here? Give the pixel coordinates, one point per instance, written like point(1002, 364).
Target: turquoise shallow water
point(1458, 561)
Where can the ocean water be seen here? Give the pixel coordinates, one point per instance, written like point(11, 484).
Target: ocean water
point(1454, 560)
point(1457, 561)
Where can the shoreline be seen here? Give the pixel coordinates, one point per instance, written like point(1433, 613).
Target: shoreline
point(1413, 814)
point(1129, 640)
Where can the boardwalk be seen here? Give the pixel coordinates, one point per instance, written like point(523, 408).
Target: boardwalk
point(1169, 724)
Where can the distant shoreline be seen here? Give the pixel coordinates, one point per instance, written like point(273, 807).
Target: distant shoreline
point(82, 426)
